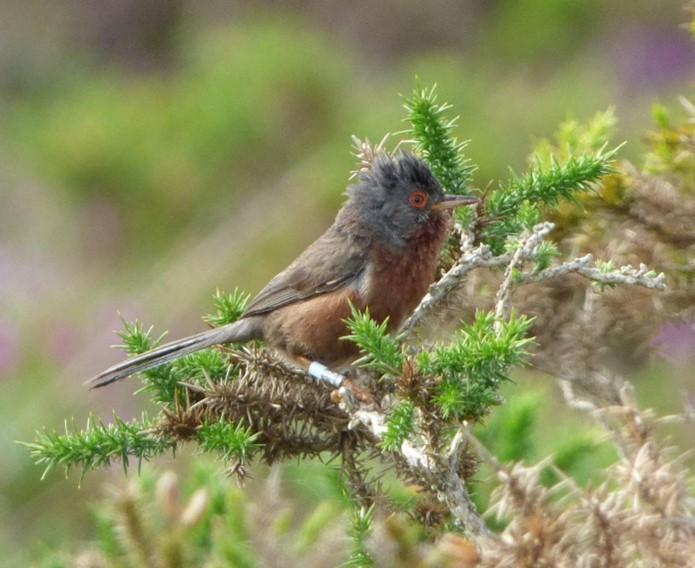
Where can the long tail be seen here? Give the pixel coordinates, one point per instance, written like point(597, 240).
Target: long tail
point(240, 331)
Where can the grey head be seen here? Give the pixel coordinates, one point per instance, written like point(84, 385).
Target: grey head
point(398, 196)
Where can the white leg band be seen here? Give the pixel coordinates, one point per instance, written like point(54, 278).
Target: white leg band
point(321, 373)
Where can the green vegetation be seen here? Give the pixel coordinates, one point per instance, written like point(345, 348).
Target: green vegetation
point(469, 368)
point(267, 105)
point(437, 387)
point(432, 132)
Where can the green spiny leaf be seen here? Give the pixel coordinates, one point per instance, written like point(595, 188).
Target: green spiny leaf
point(98, 445)
point(229, 306)
point(475, 364)
point(160, 381)
point(544, 254)
point(380, 351)
point(541, 185)
point(360, 527)
point(232, 441)
point(399, 425)
point(432, 133)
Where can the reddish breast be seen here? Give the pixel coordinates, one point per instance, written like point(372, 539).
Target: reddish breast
point(392, 286)
point(397, 280)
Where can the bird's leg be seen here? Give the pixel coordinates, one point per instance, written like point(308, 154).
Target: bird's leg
point(322, 374)
point(319, 372)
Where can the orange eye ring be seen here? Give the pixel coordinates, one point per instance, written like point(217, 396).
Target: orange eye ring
point(417, 199)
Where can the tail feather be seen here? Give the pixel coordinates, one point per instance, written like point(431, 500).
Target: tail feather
point(240, 331)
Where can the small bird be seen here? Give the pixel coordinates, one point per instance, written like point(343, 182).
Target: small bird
point(379, 254)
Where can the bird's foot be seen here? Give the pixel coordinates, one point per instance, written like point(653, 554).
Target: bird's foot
point(351, 393)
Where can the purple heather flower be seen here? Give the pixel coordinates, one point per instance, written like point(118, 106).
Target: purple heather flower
point(676, 341)
point(652, 57)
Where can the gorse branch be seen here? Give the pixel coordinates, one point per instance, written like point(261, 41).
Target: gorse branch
point(399, 425)
point(231, 441)
point(431, 132)
point(551, 183)
point(208, 364)
point(410, 405)
point(516, 205)
point(99, 445)
point(573, 138)
point(380, 352)
point(160, 381)
point(163, 381)
point(228, 307)
point(360, 528)
point(476, 363)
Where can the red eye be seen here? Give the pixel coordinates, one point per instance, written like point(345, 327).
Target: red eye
point(417, 199)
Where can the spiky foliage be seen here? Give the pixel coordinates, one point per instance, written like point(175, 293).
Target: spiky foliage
point(228, 307)
point(509, 207)
point(231, 441)
point(431, 130)
point(410, 402)
point(380, 351)
point(671, 144)
point(208, 364)
point(162, 519)
point(573, 138)
point(522, 200)
point(638, 514)
point(475, 364)
point(398, 426)
point(360, 528)
point(161, 381)
point(99, 445)
point(545, 253)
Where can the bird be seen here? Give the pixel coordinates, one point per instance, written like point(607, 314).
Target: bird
point(380, 254)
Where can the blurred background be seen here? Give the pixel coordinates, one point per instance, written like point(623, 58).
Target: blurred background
point(152, 151)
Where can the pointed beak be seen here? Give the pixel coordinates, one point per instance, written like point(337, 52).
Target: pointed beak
point(453, 201)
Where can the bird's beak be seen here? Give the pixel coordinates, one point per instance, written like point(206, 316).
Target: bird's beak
point(453, 201)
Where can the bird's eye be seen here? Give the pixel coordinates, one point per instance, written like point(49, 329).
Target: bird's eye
point(417, 199)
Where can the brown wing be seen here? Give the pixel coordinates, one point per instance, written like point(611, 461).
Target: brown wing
point(334, 260)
